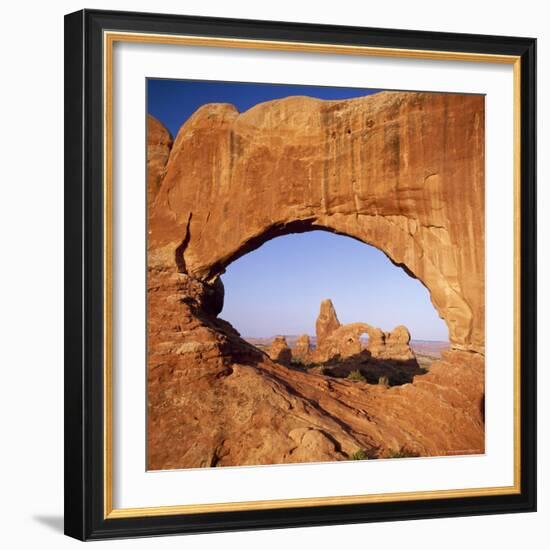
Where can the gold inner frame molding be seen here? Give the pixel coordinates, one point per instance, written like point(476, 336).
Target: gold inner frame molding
point(109, 39)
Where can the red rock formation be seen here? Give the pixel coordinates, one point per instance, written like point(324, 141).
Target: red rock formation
point(397, 344)
point(302, 348)
point(279, 351)
point(401, 171)
point(159, 144)
point(377, 342)
point(342, 341)
point(214, 400)
point(327, 322)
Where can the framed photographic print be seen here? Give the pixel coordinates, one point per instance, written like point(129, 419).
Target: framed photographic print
point(300, 274)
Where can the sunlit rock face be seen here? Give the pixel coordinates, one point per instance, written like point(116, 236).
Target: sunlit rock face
point(279, 351)
point(401, 171)
point(159, 145)
point(302, 348)
point(335, 340)
point(327, 322)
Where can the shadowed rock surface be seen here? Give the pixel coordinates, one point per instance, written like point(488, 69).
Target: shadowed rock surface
point(401, 171)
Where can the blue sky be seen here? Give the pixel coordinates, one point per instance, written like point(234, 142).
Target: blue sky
point(277, 288)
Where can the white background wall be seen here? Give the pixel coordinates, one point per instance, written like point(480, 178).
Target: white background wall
point(31, 277)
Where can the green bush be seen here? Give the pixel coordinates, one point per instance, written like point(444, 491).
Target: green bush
point(297, 363)
point(359, 455)
point(356, 375)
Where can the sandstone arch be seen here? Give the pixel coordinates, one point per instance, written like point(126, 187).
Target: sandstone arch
point(366, 168)
point(343, 341)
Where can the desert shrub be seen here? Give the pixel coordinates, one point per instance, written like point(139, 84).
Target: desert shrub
point(356, 375)
point(384, 381)
point(359, 455)
point(403, 452)
point(306, 365)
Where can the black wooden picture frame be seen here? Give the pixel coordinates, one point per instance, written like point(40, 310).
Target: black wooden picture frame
point(86, 512)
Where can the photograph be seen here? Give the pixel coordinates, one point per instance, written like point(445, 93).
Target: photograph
point(315, 274)
point(299, 274)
